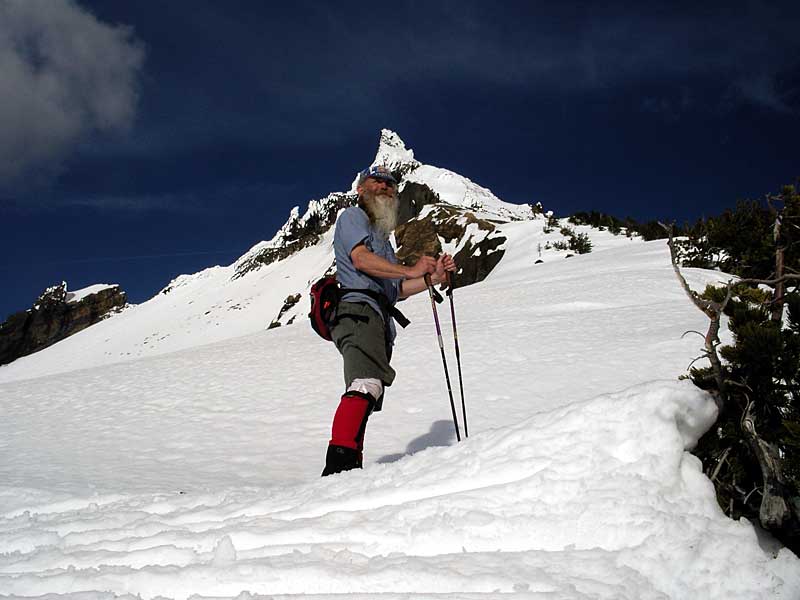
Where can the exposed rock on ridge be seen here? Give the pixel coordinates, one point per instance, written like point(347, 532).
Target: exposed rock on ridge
point(55, 315)
point(297, 233)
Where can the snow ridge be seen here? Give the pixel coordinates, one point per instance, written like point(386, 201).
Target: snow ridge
point(457, 190)
point(593, 500)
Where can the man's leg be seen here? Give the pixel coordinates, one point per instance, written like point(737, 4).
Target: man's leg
point(359, 336)
point(349, 426)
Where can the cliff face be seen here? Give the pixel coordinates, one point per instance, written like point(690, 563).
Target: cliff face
point(55, 315)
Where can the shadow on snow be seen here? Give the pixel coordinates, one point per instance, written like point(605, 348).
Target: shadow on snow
point(441, 433)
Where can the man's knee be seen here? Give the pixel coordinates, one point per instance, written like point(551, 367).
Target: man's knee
point(371, 386)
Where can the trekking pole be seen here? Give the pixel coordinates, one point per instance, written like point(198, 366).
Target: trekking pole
point(458, 353)
point(434, 296)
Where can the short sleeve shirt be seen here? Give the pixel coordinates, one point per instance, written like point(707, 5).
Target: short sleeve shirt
point(353, 228)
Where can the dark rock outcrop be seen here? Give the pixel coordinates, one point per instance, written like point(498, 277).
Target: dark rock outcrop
point(288, 304)
point(54, 317)
point(480, 247)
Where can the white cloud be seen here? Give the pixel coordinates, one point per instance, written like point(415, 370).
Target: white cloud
point(762, 90)
point(63, 75)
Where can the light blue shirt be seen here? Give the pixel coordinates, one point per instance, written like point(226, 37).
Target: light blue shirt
point(353, 228)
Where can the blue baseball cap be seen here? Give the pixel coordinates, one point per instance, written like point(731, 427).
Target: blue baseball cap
point(376, 172)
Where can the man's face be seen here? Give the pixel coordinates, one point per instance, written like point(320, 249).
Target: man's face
point(380, 201)
point(375, 186)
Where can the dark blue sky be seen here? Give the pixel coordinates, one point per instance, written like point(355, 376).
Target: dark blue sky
point(188, 129)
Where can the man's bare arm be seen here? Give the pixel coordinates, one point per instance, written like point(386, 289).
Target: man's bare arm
point(409, 287)
point(377, 266)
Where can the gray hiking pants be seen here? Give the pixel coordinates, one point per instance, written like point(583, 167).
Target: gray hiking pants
point(360, 337)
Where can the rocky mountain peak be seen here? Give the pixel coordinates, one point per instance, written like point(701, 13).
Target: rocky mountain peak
point(393, 154)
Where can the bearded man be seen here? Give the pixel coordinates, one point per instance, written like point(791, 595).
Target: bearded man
point(364, 328)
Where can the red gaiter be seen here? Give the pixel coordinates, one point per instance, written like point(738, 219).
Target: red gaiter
point(350, 421)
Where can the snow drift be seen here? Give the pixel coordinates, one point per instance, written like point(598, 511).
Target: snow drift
point(594, 500)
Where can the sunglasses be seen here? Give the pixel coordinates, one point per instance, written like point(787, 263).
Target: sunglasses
point(388, 183)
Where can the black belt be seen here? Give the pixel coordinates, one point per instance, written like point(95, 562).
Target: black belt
point(387, 308)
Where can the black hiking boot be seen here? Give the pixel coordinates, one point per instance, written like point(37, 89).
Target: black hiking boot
point(341, 458)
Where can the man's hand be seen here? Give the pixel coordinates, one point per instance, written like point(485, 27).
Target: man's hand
point(443, 265)
point(425, 265)
point(438, 273)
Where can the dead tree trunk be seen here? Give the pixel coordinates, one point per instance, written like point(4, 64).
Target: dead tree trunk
point(774, 511)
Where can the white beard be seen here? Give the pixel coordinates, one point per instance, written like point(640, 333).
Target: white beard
point(382, 211)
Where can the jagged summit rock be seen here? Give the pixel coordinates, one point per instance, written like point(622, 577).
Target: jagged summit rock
point(392, 154)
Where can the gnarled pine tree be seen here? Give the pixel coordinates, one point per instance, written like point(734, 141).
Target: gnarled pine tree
point(753, 453)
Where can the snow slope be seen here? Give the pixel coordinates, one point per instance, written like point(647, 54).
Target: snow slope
point(194, 473)
point(202, 308)
point(457, 190)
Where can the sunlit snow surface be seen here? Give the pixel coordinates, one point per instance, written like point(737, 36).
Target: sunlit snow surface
point(196, 472)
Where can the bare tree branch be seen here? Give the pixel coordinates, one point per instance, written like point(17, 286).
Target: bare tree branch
point(771, 282)
point(713, 310)
point(753, 491)
point(720, 462)
point(695, 360)
point(702, 335)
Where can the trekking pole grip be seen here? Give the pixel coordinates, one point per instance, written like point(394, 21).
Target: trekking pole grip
point(432, 290)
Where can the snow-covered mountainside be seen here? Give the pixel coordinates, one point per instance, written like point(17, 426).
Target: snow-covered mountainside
point(269, 284)
point(196, 473)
